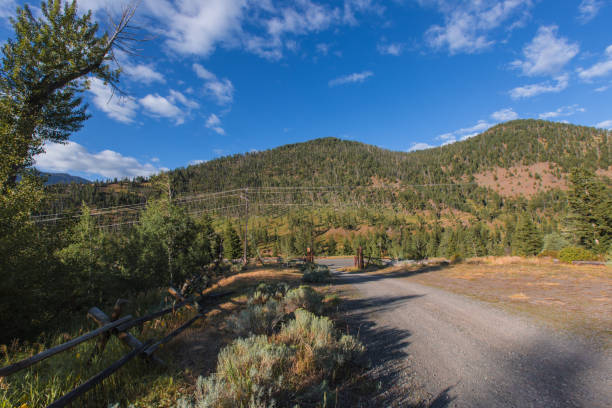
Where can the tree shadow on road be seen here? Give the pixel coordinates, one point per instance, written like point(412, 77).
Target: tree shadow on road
point(356, 278)
point(388, 378)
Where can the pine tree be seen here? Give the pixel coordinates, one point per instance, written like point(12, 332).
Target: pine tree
point(590, 203)
point(232, 247)
point(526, 239)
point(347, 248)
point(331, 245)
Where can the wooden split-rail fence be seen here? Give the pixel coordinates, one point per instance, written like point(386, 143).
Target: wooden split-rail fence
point(117, 326)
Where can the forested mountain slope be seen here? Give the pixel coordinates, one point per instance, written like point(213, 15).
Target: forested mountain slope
point(332, 161)
point(541, 150)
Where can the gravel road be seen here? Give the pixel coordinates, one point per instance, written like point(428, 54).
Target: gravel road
point(432, 348)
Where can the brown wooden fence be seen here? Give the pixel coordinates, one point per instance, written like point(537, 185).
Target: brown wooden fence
point(117, 326)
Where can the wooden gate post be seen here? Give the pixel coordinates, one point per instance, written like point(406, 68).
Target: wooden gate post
point(309, 255)
point(360, 257)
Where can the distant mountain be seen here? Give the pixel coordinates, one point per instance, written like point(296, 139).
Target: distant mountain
point(62, 178)
point(513, 160)
point(516, 145)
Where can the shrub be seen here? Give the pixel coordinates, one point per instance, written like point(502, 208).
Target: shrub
point(571, 254)
point(303, 297)
point(319, 346)
point(332, 302)
point(548, 253)
point(267, 291)
point(456, 258)
point(250, 373)
point(257, 318)
point(315, 273)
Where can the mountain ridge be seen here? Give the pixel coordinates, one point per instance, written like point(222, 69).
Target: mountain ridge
point(527, 151)
point(519, 142)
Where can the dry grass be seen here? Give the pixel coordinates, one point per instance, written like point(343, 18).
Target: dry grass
point(573, 297)
point(246, 280)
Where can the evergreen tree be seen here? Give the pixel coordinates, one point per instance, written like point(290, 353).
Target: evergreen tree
point(526, 239)
point(554, 242)
point(232, 246)
point(347, 248)
point(590, 203)
point(331, 245)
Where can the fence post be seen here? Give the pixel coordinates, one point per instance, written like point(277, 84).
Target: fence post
point(101, 318)
point(101, 345)
point(359, 260)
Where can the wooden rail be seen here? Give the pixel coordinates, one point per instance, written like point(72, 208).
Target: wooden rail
point(118, 326)
point(20, 365)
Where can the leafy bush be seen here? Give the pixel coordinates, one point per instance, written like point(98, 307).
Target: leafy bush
point(554, 242)
point(315, 273)
point(257, 318)
point(250, 372)
point(303, 297)
point(571, 254)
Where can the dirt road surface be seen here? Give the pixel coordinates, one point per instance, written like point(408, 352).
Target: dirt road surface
point(432, 348)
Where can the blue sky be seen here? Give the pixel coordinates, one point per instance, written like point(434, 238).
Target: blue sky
point(228, 76)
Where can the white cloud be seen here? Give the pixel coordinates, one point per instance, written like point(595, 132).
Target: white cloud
point(465, 133)
point(467, 24)
point(7, 8)
point(419, 146)
point(203, 73)
point(176, 96)
point(213, 122)
point(222, 90)
point(263, 27)
point(195, 27)
point(167, 107)
point(160, 106)
point(504, 115)
point(562, 111)
point(602, 88)
point(589, 9)
point(120, 108)
point(547, 53)
point(72, 157)
point(143, 73)
point(394, 49)
point(196, 162)
point(305, 17)
point(323, 48)
point(600, 69)
point(606, 124)
point(351, 78)
point(529, 91)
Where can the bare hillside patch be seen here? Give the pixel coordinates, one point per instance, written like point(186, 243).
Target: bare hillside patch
point(522, 180)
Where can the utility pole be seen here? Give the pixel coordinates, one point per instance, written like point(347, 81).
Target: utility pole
point(245, 258)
